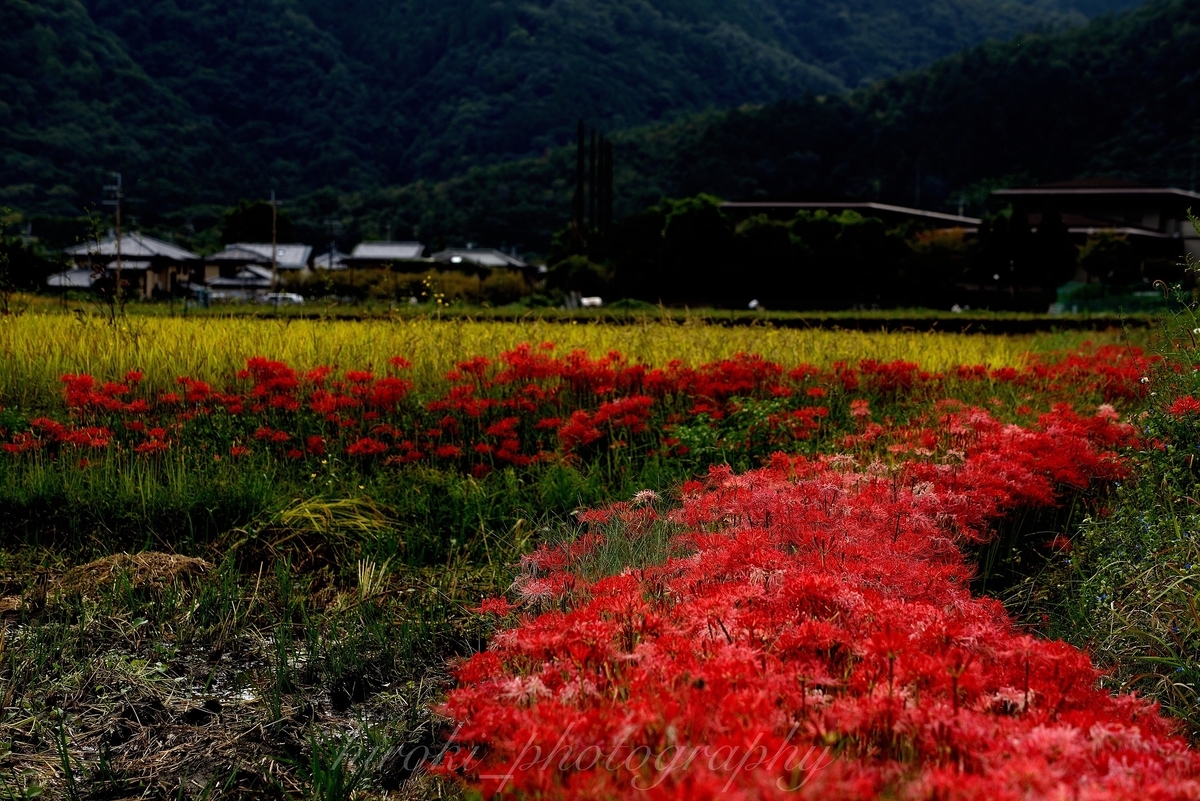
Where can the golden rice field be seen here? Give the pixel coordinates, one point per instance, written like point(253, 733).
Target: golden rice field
point(36, 348)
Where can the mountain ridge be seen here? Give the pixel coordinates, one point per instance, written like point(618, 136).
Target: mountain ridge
point(200, 102)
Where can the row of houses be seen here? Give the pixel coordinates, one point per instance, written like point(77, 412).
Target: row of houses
point(1153, 219)
point(151, 267)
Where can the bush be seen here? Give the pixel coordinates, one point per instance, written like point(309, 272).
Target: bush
point(499, 288)
point(578, 274)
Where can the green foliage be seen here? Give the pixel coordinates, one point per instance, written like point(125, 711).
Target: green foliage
point(1109, 258)
point(199, 102)
point(498, 288)
point(578, 274)
point(250, 221)
point(1112, 98)
point(24, 265)
point(1129, 588)
point(690, 251)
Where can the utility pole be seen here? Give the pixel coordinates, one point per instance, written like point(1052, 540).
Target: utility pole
point(592, 183)
point(578, 206)
point(606, 182)
point(116, 201)
point(274, 247)
point(333, 227)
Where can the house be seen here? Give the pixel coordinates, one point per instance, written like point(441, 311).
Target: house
point(476, 259)
point(333, 259)
point(148, 266)
point(894, 215)
point(71, 279)
point(393, 255)
point(1154, 219)
point(249, 281)
point(231, 261)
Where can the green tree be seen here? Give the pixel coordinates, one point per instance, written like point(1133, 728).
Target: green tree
point(250, 221)
point(1110, 258)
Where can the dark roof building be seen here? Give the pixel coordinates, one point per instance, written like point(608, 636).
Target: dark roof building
point(227, 270)
point(287, 257)
point(333, 259)
point(883, 211)
point(1092, 205)
point(379, 254)
point(466, 258)
point(133, 245)
point(248, 281)
point(148, 266)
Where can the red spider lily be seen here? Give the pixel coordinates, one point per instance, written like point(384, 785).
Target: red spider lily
point(152, 446)
point(531, 404)
point(270, 435)
point(386, 393)
point(578, 431)
point(1184, 407)
point(366, 447)
point(822, 611)
point(475, 366)
point(23, 442)
point(194, 391)
point(317, 375)
point(495, 606)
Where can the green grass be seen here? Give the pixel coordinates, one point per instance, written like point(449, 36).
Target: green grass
point(1129, 589)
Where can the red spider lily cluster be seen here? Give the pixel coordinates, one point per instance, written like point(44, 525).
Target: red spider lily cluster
point(532, 406)
point(819, 640)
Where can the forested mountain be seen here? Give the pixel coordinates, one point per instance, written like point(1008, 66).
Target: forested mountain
point(1120, 97)
point(199, 101)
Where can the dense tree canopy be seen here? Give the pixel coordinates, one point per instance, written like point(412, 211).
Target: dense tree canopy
point(200, 102)
point(1116, 98)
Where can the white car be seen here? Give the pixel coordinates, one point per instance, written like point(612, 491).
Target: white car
point(283, 299)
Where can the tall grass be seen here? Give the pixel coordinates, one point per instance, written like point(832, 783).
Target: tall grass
point(36, 349)
point(1129, 588)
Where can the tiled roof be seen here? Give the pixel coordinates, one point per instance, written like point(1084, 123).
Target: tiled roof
point(250, 277)
point(71, 279)
point(864, 208)
point(287, 257)
point(384, 251)
point(133, 245)
point(1078, 188)
point(322, 261)
point(483, 257)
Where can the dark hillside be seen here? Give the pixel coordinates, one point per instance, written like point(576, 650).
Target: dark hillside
point(1118, 97)
point(73, 104)
point(202, 102)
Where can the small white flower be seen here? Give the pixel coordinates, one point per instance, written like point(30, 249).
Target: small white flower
point(645, 496)
point(1145, 380)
